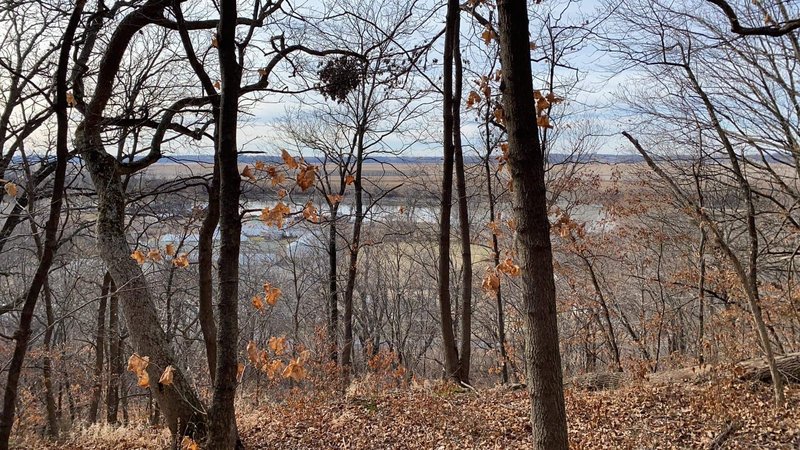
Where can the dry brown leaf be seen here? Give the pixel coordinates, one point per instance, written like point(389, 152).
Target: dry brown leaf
point(139, 257)
point(154, 255)
point(289, 160)
point(181, 261)
point(306, 177)
point(258, 302)
point(137, 364)
point(10, 188)
point(188, 443)
point(310, 212)
point(167, 376)
point(248, 173)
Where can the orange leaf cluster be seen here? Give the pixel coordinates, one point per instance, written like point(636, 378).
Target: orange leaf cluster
point(473, 99)
point(258, 303)
point(508, 267)
point(274, 216)
point(138, 256)
point(271, 294)
point(491, 282)
point(543, 104)
point(499, 115)
point(277, 344)
point(502, 159)
point(494, 227)
point(188, 443)
point(294, 370)
point(568, 228)
point(137, 364)
point(310, 212)
point(275, 176)
point(274, 366)
point(181, 261)
point(306, 176)
point(239, 371)
point(154, 255)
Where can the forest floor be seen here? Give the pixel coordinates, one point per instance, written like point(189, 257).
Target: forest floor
point(643, 416)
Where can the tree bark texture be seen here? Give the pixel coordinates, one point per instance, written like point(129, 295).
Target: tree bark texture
point(526, 164)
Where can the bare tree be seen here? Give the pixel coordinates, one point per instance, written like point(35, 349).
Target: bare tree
point(50, 242)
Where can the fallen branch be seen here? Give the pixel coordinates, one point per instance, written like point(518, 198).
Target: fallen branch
point(719, 440)
point(755, 369)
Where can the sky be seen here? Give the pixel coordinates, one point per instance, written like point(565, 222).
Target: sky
point(591, 99)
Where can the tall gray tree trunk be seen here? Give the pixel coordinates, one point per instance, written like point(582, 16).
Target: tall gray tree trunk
point(178, 402)
point(463, 212)
point(451, 363)
point(526, 164)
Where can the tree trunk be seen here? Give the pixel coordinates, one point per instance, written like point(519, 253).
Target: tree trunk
point(501, 326)
point(355, 246)
point(99, 346)
point(47, 365)
point(23, 333)
point(463, 213)
point(222, 418)
point(179, 403)
point(205, 258)
point(749, 277)
point(114, 358)
point(526, 164)
point(701, 298)
point(449, 348)
point(333, 294)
